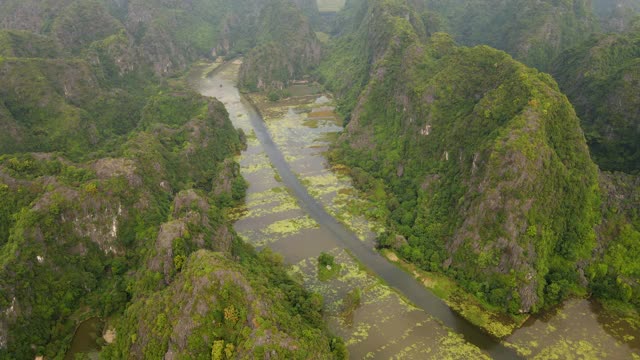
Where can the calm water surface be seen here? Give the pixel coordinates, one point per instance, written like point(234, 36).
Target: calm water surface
point(85, 339)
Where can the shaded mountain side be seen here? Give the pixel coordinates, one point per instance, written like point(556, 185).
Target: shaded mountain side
point(81, 23)
point(615, 272)
point(21, 43)
point(366, 30)
point(601, 77)
point(287, 50)
point(60, 105)
point(533, 32)
point(617, 15)
point(478, 161)
point(167, 36)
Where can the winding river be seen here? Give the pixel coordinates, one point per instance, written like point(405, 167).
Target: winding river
point(291, 208)
point(221, 85)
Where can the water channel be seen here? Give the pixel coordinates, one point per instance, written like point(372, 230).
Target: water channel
point(293, 203)
point(331, 235)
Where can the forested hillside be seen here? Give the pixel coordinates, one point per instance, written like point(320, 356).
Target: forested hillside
point(168, 35)
point(616, 15)
point(114, 181)
point(480, 162)
point(287, 50)
point(533, 32)
point(601, 77)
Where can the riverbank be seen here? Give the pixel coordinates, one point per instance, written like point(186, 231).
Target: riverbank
point(334, 189)
point(490, 320)
point(289, 220)
point(602, 334)
point(285, 149)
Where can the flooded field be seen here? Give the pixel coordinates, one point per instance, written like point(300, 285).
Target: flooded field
point(297, 205)
point(579, 329)
point(86, 339)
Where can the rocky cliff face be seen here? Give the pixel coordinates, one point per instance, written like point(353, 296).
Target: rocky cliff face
point(70, 230)
point(486, 168)
point(614, 273)
point(215, 306)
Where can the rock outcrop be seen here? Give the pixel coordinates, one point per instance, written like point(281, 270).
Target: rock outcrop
point(485, 165)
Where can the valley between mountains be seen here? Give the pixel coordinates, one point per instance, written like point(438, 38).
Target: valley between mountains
point(301, 179)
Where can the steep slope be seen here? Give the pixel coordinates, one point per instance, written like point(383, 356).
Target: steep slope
point(166, 35)
point(615, 272)
point(616, 15)
point(533, 32)
point(236, 308)
point(287, 48)
point(367, 31)
point(601, 77)
point(111, 176)
point(486, 170)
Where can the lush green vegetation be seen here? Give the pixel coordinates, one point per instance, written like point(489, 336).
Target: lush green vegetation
point(327, 267)
point(287, 48)
point(81, 226)
point(16, 43)
point(533, 32)
point(168, 36)
point(474, 159)
point(58, 105)
point(368, 29)
point(614, 273)
point(601, 77)
point(250, 309)
point(113, 180)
